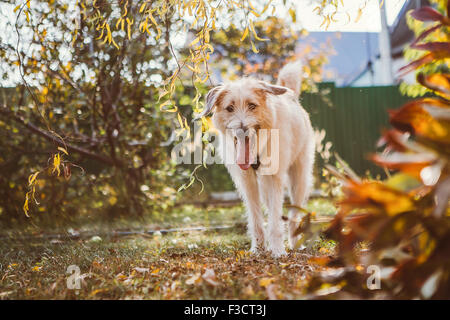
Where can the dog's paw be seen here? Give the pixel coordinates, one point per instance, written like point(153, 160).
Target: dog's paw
point(256, 250)
point(293, 243)
point(277, 252)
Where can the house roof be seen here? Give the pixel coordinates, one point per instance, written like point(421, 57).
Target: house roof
point(355, 52)
point(351, 52)
point(400, 32)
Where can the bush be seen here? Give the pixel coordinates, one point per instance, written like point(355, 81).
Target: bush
point(403, 221)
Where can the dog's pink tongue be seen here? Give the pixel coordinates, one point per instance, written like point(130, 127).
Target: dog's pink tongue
point(243, 154)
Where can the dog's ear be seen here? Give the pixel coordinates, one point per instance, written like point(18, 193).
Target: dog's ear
point(210, 101)
point(273, 89)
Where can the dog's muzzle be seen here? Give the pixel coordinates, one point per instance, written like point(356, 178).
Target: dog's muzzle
point(245, 146)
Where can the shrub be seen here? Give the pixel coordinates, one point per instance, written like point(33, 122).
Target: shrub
point(405, 220)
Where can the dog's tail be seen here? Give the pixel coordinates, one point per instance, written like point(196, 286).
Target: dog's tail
point(290, 76)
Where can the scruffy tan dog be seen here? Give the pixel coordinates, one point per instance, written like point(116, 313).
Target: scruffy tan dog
point(270, 141)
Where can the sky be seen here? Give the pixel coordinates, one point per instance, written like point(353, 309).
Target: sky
point(368, 22)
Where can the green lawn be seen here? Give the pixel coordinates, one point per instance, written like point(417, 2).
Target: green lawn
point(177, 265)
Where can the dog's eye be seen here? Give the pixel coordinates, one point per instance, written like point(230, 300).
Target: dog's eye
point(230, 108)
point(251, 106)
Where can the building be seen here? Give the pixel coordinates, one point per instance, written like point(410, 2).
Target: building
point(355, 60)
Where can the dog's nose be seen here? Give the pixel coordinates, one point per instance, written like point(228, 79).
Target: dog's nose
point(244, 128)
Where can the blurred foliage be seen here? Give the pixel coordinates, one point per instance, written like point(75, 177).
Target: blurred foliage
point(436, 33)
point(92, 108)
point(398, 230)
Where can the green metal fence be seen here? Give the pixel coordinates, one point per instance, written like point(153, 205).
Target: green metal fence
point(353, 119)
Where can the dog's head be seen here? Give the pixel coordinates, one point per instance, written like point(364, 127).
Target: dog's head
point(240, 110)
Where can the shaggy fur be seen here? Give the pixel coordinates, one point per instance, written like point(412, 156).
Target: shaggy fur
point(250, 104)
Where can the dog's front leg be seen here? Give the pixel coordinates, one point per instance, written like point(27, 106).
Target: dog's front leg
point(272, 193)
point(247, 186)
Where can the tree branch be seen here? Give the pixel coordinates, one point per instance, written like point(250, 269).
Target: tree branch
point(52, 138)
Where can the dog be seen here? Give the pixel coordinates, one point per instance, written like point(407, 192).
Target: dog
point(242, 111)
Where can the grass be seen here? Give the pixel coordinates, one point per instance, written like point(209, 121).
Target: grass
point(180, 265)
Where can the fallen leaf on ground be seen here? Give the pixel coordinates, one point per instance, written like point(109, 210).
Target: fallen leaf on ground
point(210, 277)
point(142, 270)
point(93, 293)
point(195, 279)
point(264, 282)
point(121, 276)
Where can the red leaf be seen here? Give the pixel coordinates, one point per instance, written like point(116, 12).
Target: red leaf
point(415, 117)
point(438, 51)
point(394, 140)
point(415, 64)
point(410, 164)
point(376, 197)
point(441, 47)
point(427, 14)
point(426, 33)
point(436, 82)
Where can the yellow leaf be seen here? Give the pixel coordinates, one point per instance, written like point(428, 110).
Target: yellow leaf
point(256, 14)
point(25, 206)
point(266, 6)
point(180, 120)
point(101, 35)
point(192, 69)
point(63, 150)
point(129, 23)
point(115, 44)
point(293, 15)
point(104, 40)
point(112, 200)
point(118, 22)
point(207, 36)
point(252, 27)
point(264, 282)
point(121, 276)
point(245, 34)
point(197, 39)
point(359, 15)
point(168, 102)
point(323, 22)
point(32, 178)
point(251, 6)
point(108, 35)
point(56, 163)
point(93, 293)
point(254, 48)
point(143, 26)
point(155, 271)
